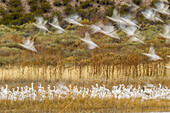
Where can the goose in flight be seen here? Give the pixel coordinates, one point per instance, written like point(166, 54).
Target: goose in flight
point(128, 20)
point(56, 25)
point(162, 8)
point(28, 44)
point(89, 42)
point(150, 14)
point(109, 31)
point(105, 29)
point(74, 19)
point(41, 24)
point(129, 30)
point(152, 55)
point(116, 17)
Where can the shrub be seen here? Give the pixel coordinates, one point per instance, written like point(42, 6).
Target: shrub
point(69, 9)
point(104, 2)
point(124, 9)
point(86, 4)
point(3, 11)
point(57, 3)
point(14, 3)
point(46, 7)
point(88, 13)
point(65, 2)
point(34, 7)
point(15, 9)
point(4, 1)
point(109, 10)
point(31, 2)
point(138, 2)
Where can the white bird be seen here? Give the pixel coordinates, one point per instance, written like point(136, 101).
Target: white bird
point(109, 31)
point(135, 39)
point(166, 33)
point(105, 29)
point(148, 85)
point(128, 21)
point(56, 25)
point(129, 30)
point(168, 56)
point(116, 17)
point(41, 24)
point(150, 14)
point(28, 44)
point(74, 19)
point(152, 55)
point(95, 28)
point(162, 8)
point(167, 67)
point(90, 43)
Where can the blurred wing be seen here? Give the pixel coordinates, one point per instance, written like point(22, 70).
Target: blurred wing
point(55, 20)
point(73, 17)
point(60, 31)
point(27, 42)
point(45, 22)
point(108, 28)
point(114, 13)
point(166, 29)
point(92, 46)
point(159, 5)
point(39, 20)
point(87, 36)
point(152, 50)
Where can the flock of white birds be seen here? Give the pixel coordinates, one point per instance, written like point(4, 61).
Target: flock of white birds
point(126, 23)
point(147, 92)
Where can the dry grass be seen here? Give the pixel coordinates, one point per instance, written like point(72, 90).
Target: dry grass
point(86, 105)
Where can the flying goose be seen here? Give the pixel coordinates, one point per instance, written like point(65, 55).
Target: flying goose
point(56, 25)
point(74, 19)
point(152, 55)
point(90, 43)
point(28, 44)
point(41, 24)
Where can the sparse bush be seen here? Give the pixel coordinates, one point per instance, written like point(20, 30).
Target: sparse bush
point(65, 2)
point(69, 9)
point(137, 2)
point(3, 11)
point(86, 4)
point(57, 3)
point(4, 1)
point(124, 9)
point(34, 7)
point(109, 10)
point(46, 7)
point(14, 3)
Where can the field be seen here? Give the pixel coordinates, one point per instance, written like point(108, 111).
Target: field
point(63, 60)
point(64, 75)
